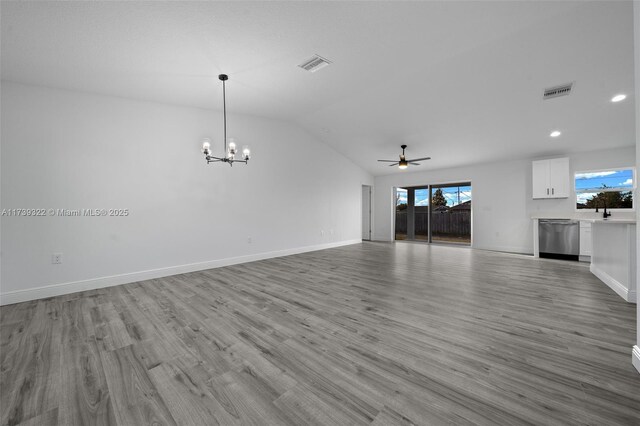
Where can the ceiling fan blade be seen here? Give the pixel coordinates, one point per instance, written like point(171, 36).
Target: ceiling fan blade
point(394, 164)
point(419, 159)
point(389, 161)
point(415, 164)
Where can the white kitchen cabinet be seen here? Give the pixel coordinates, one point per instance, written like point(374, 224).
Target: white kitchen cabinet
point(585, 238)
point(551, 178)
point(540, 179)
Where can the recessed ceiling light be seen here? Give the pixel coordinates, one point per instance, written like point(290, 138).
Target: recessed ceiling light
point(555, 133)
point(618, 98)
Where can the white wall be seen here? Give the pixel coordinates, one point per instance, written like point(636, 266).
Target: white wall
point(502, 203)
point(63, 149)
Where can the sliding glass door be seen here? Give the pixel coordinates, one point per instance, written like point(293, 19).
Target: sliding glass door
point(421, 214)
point(451, 213)
point(401, 213)
point(436, 213)
point(412, 213)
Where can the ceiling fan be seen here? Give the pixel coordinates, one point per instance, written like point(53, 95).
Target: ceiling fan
point(404, 163)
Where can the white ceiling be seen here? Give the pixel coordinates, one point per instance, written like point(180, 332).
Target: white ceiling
point(459, 81)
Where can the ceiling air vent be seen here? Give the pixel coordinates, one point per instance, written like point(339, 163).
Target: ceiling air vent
point(554, 92)
point(315, 63)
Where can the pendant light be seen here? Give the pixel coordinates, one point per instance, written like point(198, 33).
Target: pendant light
point(230, 149)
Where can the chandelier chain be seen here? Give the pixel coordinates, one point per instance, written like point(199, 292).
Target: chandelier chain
point(224, 112)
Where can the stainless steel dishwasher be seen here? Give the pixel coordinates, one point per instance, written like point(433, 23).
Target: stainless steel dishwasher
point(559, 238)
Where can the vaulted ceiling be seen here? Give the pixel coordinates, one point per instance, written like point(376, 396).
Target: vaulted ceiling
point(461, 82)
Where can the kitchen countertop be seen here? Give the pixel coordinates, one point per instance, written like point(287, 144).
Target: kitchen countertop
point(612, 219)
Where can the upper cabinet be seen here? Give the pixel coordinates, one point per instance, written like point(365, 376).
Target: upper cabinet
point(551, 178)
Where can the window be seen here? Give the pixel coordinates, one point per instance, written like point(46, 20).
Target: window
point(611, 188)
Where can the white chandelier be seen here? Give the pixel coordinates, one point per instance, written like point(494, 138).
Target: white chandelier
point(230, 149)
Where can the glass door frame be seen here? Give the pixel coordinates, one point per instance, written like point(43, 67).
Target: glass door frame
point(431, 188)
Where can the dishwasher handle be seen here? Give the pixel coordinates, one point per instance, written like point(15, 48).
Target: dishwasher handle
point(559, 222)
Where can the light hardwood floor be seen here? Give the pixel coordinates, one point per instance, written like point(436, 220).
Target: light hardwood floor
point(372, 333)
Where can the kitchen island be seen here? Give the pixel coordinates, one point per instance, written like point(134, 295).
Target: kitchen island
point(613, 257)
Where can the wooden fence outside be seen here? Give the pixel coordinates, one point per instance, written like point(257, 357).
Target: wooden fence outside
point(451, 223)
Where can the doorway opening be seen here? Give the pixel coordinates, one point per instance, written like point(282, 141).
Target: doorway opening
point(366, 212)
point(434, 213)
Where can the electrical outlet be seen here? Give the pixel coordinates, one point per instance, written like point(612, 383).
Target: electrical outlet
point(248, 240)
point(322, 233)
point(56, 258)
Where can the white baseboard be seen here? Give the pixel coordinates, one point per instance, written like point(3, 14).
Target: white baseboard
point(501, 249)
point(506, 249)
point(635, 357)
point(615, 285)
point(17, 296)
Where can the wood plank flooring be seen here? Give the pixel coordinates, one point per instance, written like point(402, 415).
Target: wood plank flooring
point(372, 333)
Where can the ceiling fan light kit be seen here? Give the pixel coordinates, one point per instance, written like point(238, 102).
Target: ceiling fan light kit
point(403, 163)
point(230, 148)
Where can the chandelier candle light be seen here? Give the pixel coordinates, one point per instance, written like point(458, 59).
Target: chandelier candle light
point(230, 149)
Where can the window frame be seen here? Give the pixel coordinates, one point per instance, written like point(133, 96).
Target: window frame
point(609, 169)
